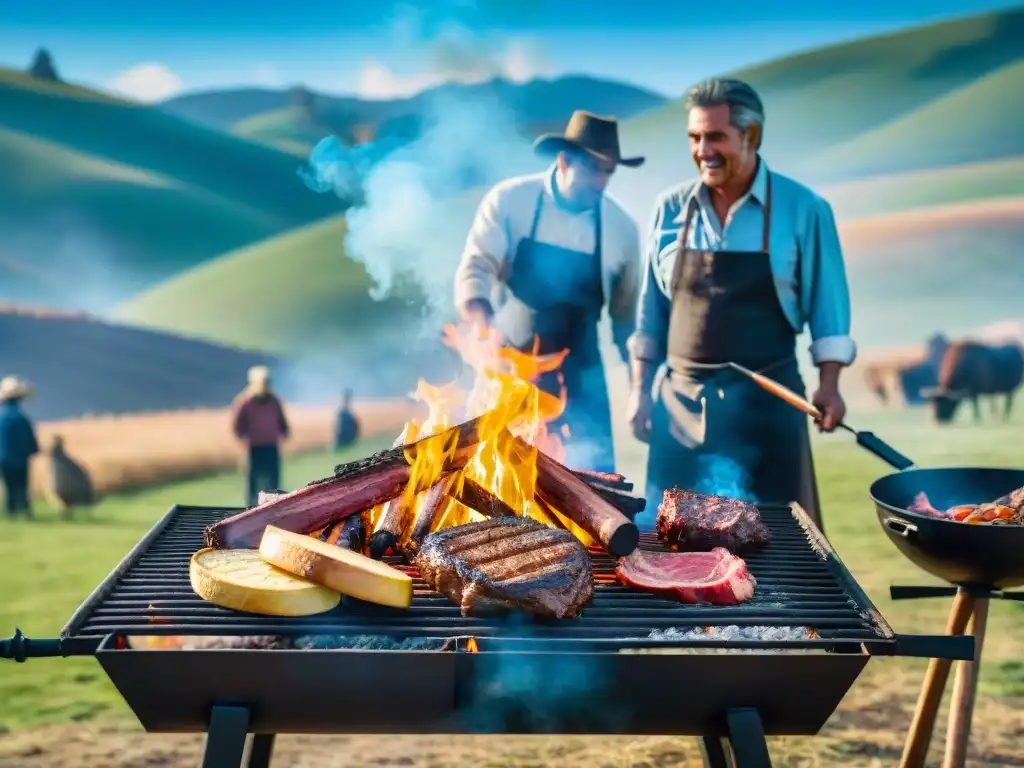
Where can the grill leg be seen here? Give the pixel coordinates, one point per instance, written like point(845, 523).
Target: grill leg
point(260, 750)
point(915, 749)
point(747, 739)
point(965, 688)
point(713, 752)
point(225, 739)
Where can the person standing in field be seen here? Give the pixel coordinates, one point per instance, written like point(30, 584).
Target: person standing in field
point(17, 445)
point(346, 429)
point(260, 423)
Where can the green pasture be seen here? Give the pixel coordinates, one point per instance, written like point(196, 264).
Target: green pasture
point(47, 566)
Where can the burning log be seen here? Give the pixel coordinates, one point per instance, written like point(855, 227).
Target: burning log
point(348, 533)
point(393, 519)
point(604, 479)
point(627, 503)
point(435, 500)
point(479, 499)
point(355, 487)
point(582, 504)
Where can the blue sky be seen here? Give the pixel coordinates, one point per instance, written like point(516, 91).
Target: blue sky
point(381, 48)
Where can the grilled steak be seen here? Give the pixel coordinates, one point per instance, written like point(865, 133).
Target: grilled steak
point(508, 563)
point(694, 521)
point(717, 576)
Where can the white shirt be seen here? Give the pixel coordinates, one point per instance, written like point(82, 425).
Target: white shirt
point(505, 217)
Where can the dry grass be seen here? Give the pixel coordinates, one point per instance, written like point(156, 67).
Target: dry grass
point(122, 452)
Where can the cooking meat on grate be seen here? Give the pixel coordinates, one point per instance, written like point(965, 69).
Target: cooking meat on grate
point(717, 577)
point(508, 563)
point(689, 520)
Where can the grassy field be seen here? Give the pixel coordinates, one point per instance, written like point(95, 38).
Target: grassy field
point(57, 708)
point(145, 193)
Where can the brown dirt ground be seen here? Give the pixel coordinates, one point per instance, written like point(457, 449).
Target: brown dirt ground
point(866, 732)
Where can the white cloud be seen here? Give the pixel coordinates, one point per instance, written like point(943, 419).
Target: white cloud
point(519, 60)
point(268, 75)
point(377, 81)
point(523, 60)
point(147, 82)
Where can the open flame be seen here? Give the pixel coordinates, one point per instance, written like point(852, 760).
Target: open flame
point(504, 390)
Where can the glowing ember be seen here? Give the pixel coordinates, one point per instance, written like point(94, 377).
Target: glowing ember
point(471, 645)
point(505, 393)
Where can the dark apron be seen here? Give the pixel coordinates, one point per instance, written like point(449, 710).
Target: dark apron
point(555, 294)
point(712, 429)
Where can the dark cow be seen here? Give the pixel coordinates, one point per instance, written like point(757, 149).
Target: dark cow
point(970, 369)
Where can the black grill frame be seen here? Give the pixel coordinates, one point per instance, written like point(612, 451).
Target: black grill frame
point(787, 687)
point(801, 582)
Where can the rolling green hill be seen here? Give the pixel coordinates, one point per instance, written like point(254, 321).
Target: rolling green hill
point(848, 111)
point(292, 293)
point(149, 193)
point(977, 122)
point(287, 129)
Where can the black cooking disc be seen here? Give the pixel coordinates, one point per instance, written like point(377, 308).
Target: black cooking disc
point(946, 487)
point(980, 555)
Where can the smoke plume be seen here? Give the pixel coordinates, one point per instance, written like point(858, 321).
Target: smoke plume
point(414, 203)
point(723, 476)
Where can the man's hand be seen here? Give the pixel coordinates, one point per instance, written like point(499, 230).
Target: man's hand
point(827, 399)
point(830, 403)
point(478, 312)
point(638, 413)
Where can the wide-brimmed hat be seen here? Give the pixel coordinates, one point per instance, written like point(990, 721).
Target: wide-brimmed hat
point(11, 387)
point(597, 135)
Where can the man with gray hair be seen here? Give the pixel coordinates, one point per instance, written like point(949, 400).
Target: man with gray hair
point(738, 262)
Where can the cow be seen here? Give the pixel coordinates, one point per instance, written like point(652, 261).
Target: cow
point(905, 378)
point(970, 369)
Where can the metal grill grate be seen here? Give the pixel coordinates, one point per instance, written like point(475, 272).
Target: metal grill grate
point(801, 583)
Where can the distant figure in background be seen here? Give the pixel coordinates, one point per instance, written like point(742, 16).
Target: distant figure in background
point(17, 444)
point(346, 430)
point(70, 484)
point(260, 423)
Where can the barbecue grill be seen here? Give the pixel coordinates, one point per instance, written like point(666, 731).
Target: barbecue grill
point(648, 664)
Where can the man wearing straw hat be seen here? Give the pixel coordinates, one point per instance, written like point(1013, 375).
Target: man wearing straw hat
point(17, 444)
point(260, 423)
point(546, 255)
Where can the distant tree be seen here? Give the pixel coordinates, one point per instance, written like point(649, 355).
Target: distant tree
point(305, 100)
point(42, 66)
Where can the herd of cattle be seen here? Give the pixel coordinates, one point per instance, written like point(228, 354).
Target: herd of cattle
point(951, 373)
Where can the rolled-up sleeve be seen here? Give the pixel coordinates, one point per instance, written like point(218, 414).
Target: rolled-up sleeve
point(486, 249)
point(625, 291)
point(826, 294)
point(649, 340)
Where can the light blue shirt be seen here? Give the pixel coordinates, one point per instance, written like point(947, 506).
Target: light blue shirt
point(806, 260)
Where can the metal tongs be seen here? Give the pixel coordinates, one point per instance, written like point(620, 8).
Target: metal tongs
point(866, 440)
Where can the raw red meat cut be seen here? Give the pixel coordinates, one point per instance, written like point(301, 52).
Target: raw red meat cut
point(690, 520)
point(717, 577)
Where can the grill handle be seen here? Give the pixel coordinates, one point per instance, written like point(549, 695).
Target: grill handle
point(20, 647)
point(952, 647)
point(882, 449)
point(900, 527)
